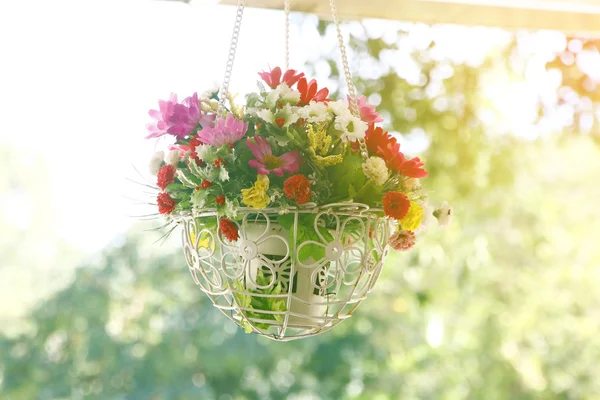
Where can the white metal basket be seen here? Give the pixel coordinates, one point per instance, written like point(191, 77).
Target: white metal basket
point(288, 283)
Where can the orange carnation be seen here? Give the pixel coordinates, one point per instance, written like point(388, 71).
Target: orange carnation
point(396, 205)
point(297, 187)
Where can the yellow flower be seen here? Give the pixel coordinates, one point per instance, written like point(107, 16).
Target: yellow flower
point(262, 182)
point(256, 196)
point(412, 220)
point(202, 243)
point(319, 147)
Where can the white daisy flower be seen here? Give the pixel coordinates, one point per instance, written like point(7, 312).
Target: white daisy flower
point(352, 128)
point(314, 113)
point(211, 92)
point(339, 107)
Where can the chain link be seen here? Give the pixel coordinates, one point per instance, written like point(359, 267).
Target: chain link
point(348, 75)
point(351, 89)
point(286, 6)
point(231, 57)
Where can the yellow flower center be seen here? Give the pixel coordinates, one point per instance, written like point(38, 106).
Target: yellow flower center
point(271, 162)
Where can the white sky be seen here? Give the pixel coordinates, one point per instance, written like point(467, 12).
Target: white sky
point(78, 78)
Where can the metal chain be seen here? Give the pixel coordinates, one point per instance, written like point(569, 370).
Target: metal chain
point(351, 89)
point(286, 6)
point(349, 82)
point(231, 57)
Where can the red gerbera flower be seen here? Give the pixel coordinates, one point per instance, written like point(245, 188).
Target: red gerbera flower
point(384, 145)
point(166, 175)
point(166, 204)
point(297, 187)
point(273, 77)
point(229, 229)
point(396, 205)
point(308, 92)
point(412, 168)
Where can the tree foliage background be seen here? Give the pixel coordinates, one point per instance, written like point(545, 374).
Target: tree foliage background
point(503, 304)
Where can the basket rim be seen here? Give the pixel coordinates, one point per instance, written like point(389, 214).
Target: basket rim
point(358, 209)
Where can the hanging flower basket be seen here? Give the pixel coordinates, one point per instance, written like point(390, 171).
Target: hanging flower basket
point(282, 277)
point(288, 202)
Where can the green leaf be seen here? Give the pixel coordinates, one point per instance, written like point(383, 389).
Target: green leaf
point(286, 220)
point(195, 169)
point(345, 177)
point(188, 179)
point(351, 191)
point(326, 234)
point(369, 193)
point(174, 187)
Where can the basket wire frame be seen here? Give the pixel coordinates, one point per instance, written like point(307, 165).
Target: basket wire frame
point(288, 284)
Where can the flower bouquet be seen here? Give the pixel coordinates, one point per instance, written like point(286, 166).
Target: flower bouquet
point(288, 203)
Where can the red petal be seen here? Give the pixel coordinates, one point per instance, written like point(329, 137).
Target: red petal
point(275, 77)
point(288, 75)
point(312, 89)
point(302, 88)
point(321, 94)
point(265, 76)
point(291, 78)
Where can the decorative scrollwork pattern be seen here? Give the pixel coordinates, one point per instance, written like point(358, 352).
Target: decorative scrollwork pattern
point(286, 279)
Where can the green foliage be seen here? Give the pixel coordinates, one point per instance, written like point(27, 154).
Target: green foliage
point(260, 303)
point(188, 179)
point(503, 304)
point(305, 231)
point(347, 178)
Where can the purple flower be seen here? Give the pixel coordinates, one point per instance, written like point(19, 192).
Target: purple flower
point(266, 162)
point(178, 119)
point(225, 131)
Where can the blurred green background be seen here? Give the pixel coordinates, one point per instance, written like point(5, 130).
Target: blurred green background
point(502, 304)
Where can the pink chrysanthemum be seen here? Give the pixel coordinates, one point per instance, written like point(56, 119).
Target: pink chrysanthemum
point(367, 111)
point(402, 240)
point(225, 131)
point(178, 119)
point(266, 162)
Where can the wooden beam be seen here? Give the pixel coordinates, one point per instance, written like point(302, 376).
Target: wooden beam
point(570, 16)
